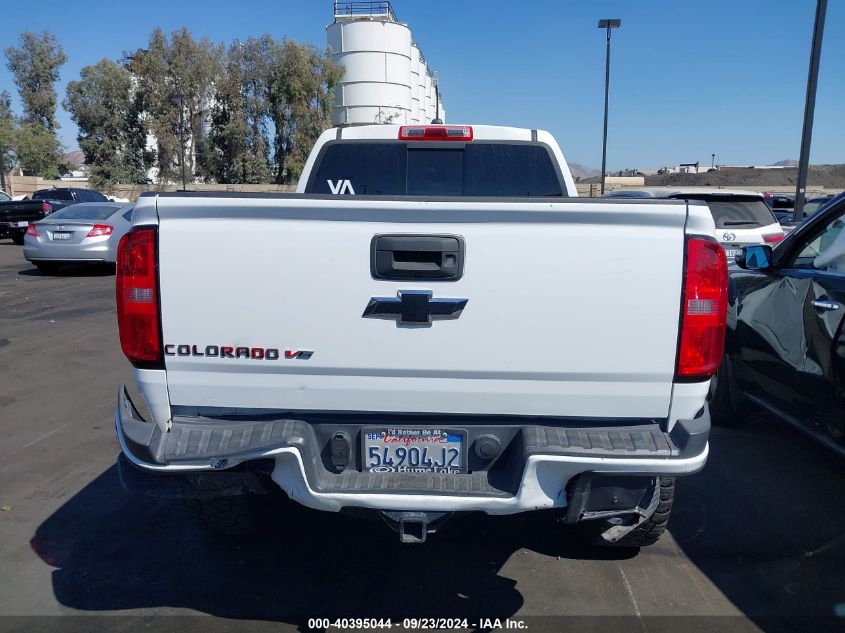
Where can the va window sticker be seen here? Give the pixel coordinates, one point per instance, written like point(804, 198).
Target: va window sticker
point(341, 187)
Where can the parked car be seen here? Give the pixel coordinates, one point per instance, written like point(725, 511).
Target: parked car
point(449, 354)
point(85, 232)
point(15, 216)
point(781, 204)
point(741, 217)
point(785, 344)
point(811, 206)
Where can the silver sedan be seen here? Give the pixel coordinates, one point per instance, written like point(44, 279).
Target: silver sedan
point(86, 232)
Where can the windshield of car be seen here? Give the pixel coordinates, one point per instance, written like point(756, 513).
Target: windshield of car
point(811, 206)
point(782, 202)
point(85, 212)
point(53, 194)
point(384, 168)
point(740, 212)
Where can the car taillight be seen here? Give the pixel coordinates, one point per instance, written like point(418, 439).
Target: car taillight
point(46, 207)
point(774, 238)
point(137, 297)
point(32, 230)
point(435, 133)
point(100, 229)
point(703, 310)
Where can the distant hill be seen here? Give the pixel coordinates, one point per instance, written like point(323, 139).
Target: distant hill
point(75, 158)
point(580, 171)
point(828, 176)
point(786, 163)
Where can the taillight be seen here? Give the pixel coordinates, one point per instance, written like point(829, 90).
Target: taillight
point(703, 310)
point(100, 229)
point(46, 207)
point(435, 133)
point(32, 230)
point(137, 297)
point(774, 238)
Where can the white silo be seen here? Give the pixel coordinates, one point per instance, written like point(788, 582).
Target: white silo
point(429, 98)
point(375, 53)
point(415, 83)
point(422, 72)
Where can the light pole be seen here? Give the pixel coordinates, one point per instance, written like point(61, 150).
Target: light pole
point(809, 110)
point(608, 24)
point(2, 169)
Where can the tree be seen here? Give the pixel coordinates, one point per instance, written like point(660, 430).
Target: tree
point(237, 149)
point(39, 152)
point(177, 79)
point(7, 136)
point(301, 84)
point(103, 105)
point(35, 66)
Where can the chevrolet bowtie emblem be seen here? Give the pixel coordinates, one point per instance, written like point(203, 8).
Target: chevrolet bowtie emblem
point(414, 307)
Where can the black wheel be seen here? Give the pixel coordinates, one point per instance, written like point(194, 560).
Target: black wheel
point(646, 533)
point(231, 516)
point(47, 268)
point(17, 238)
point(727, 407)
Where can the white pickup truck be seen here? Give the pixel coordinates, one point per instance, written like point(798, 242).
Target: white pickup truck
point(434, 323)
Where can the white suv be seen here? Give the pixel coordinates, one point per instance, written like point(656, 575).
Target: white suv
point(741, 217)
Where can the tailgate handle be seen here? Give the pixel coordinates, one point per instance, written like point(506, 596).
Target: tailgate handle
point(437, 257)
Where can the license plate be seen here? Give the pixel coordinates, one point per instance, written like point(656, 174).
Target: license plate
point(21, 224)
point(414, 450)
point(61, 236)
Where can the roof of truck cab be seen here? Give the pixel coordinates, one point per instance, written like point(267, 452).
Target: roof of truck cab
point(479, 132)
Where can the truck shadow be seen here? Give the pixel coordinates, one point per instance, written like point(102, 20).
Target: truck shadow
point(112, 551)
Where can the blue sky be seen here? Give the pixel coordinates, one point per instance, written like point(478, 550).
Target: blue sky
point(688, 78)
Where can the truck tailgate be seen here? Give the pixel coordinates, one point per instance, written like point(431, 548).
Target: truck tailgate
point(572, 306)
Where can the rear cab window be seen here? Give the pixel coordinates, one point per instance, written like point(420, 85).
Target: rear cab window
point(736, 212)
point(436, 169)
point(53, 194)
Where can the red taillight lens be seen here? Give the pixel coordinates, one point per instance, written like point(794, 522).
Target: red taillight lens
point(32, 230)
point(137, 297)
point(100, 229)
point(46, 207)
point(704, 309)
point(435, 133)
point(774, 238)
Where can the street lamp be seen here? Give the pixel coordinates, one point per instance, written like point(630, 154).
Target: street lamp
point(809, 111)
point(608, 24)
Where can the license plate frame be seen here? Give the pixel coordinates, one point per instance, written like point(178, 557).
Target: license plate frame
point(404, 435)
point(61, 236)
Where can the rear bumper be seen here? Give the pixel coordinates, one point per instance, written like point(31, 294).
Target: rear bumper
point(46, 252)
point(533, 472)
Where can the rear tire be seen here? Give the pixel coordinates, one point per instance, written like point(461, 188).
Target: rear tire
point(47, 268)
point(225, 516)
point(646, 533)
point(17, 238)
point(726, 405)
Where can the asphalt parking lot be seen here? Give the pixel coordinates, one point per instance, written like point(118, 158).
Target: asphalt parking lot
point(759, 534)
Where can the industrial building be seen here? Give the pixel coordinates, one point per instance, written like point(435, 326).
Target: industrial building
point(386, 78)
